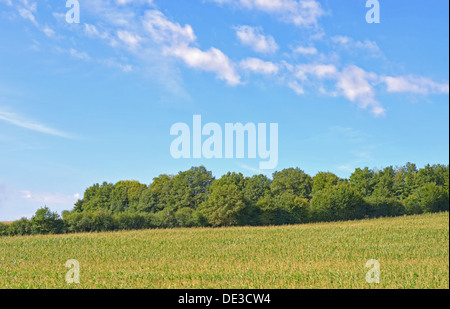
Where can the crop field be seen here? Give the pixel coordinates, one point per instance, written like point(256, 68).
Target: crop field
point(413, 252)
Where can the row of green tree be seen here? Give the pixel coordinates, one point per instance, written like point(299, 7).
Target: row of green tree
point(194, 198)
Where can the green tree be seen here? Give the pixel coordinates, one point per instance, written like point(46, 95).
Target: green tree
point(96, 197)
point(294, 180)
point(225, 205)
point(20, 227)
point(190, 188)
point(437, 174)
point(384, 182)
point(161, 196)
point(380, 206)
point(125, 196)
point(46, 222)
point(256, 187)
point(363, 181)
point(185, 217)
point(324, 180)
point(340, 202)
point(428, 198)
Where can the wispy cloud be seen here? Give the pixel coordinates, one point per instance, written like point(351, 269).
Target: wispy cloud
point(25, 123)
point(259, 66)
point(252, 169)
point(154, 40)
point(302, 13)
point(27, 10)
point(255, 38)
point(414, 84)
point(79, 54)
point(44, 198)
point(355, 84)
point(306, 50)
point(351, 44)
point(178, 41)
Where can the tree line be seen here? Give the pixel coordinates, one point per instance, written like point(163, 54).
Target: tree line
point(195, 198)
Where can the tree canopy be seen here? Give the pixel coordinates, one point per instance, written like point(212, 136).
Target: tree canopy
point(196, 198)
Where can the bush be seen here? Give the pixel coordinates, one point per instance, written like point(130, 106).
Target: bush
point(3, 229)
point(284, 209)
point(225, 206)
point(340, 202)
point(102, 221)
point(270, 213)
point(20, 227)
point(194, 198)
point(380, 206)
point(46, 222)
point(428, 198)
point(185, 217)
point(72, 221)
point(130, 221)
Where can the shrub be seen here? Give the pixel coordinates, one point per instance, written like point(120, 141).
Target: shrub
point(225, 206)
point(20, 227)
point(428, 198)
point(46, 222)
point(380, 206)
point(3, 229)
point(340, 202)
point(130, 221)
point(185, 217)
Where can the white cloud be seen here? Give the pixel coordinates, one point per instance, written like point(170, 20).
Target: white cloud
point(27, 14)
point(254, 38)
point(30, 124)
point(49, 199)
point(163, 30)
point(296, 87)
point(125, 2)
point(302, 13)
point(359, 86)
point(93, 32)
point(317, 70)
point(29, 5)
point(414, 84)
point(130, 39)
point(126, 68)
point(305, 50)
point(7, 2)
point(177, 41)
point(212, 60)
point(351, 44)
point(259, 66)
point(352, 82)
point(355, 85)
point(48, 31)
point(79, 54)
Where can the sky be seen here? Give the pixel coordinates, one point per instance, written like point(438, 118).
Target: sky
point(82, 103)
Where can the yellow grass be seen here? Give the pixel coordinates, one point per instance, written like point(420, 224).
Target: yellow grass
point(413, 253)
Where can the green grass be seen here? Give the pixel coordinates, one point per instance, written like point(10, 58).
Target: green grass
point(413, 253)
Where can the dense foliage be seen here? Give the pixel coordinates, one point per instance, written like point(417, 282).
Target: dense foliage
point(195, 198)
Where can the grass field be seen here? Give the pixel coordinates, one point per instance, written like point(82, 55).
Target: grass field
point(413, 252)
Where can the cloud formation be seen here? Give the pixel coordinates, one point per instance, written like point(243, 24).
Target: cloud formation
point(259, 66)
point(414, 84)
point(28, 124)
point(140, 29)
point(302, 13)
point(254, 38)
point(179, 41)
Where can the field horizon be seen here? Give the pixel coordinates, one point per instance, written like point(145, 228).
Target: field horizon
point(413, 252)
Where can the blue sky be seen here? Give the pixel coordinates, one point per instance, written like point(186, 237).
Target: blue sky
point(95, 101)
